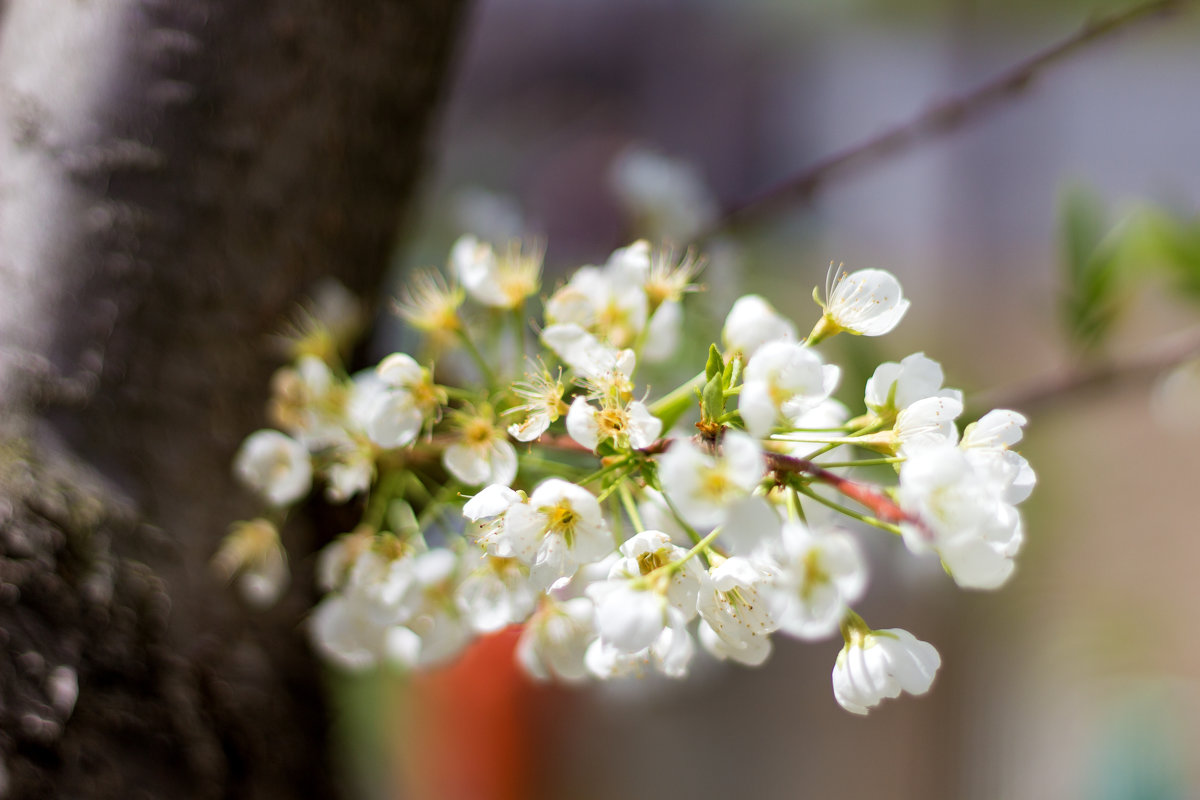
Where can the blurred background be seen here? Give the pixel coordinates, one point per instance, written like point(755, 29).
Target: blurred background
point(1049, 237)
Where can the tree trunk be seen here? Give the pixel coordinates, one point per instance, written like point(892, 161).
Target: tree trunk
point(175, 174)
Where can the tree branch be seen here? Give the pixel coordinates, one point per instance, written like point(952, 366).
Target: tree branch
point(940, 118)
point(878, 503)
point(1054, 387)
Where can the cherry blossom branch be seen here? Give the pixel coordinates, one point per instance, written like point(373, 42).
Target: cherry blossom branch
point(879, 504)
point(941, 118)
point(1061, 384)
point(883, 507)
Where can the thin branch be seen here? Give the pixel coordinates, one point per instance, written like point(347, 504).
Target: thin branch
point(883, 507)
point(941, 118)
point(1054, 387)
point(879, 504)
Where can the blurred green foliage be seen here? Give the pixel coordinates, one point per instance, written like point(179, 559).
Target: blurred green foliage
point(1104, 263)
point(1089, 253)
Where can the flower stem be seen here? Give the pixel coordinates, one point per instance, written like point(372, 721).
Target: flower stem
point(489, 377)
point(605, 470)
point(873, 521)
point(691, 532)
point(866, 462)
point(696, 550)
point(630, 506)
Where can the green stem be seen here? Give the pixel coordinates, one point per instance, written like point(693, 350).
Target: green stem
point(688, 529)
point(381, 495)
point(872, 428)
point(877, 523)
point(489, 377)
point(698, 548)
point(551, 467)
point(606, 469)
point(436, 505)
point(795, 510)
point(518, 318)
point(614, 486)
point(630, 506)
point(866, 462)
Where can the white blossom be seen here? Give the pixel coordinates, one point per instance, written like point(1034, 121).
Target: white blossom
point(556, 638)
point(351, 472)
point(348, 632)
point(878, 664)
point(735, 603)
point(826, 419)
point(350, 626)
point(253, 557)
point(337, 558)
point(440, 628)
point(543, 405)
point(274, 465)
point(559, 528)
point(703, 486)
point(495, 594)
point(643, 595)
point(751, 525)
point(624, 424)
point(820, 572)
point(650, 550)
point(393, 608)
point(751, 323)
point(894, 387)
point(482, 454)
point(669, 653)
point(986, 444)
point(584, 353)
point(305, 401)
point(500, 281)
point(752, 651)
point(664, 332)
point(656, 515)
point(782, 381)
point(868, 302)
point(491, 503)
point(963, 515)
point(928, 422)
point(430, 304)
point(629, 614)
point(609, 302)
point(395, 413)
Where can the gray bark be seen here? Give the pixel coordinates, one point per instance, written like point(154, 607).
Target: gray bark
point(173, 175)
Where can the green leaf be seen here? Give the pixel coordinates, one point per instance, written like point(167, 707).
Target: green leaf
point(1179, 248)
point(1090, 257)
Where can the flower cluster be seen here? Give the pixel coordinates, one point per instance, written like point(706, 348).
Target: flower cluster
point(519, 474)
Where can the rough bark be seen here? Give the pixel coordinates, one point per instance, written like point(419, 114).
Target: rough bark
point(175, 175)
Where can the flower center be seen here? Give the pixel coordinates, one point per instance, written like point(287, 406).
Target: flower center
point(478, 432)
point(561, 518)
